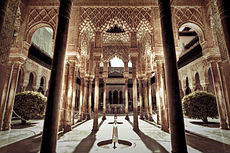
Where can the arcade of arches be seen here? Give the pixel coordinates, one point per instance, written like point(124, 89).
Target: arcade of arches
point(64, 50)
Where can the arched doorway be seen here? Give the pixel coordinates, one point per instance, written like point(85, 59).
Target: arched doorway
point(115, 97)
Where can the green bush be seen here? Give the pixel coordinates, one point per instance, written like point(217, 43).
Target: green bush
point(30, 105)
point(200, 105)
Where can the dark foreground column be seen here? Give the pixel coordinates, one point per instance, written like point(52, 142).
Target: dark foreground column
point(175, 109)
point(3, 7)
point(224, 11)
point(49, 138)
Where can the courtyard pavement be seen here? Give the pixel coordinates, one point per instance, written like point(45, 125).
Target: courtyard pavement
point(149, 139)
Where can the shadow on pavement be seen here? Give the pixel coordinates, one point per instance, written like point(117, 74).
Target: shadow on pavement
point(28, 145)
point(205, 144)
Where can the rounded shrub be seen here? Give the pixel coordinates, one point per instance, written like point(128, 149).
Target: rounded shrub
point(200, 105)
point(29, 105)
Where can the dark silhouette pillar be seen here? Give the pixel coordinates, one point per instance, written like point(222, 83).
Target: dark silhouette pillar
point(178, 141)
point(49, 138)
point(3, 7)
point(224, 11)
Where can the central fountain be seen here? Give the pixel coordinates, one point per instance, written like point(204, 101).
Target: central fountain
point(114, 142)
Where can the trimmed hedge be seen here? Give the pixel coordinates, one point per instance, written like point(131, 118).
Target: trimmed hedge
point(30, 105)
point(200, 105)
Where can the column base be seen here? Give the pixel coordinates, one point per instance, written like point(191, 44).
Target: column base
point(224, 126)
point(5, 127)
point(141, 117)
point(67, 128)
point(127, 117)
point(88, 117)
point(146, 117)
point(95, 129)
point(151, 119)
point(103, 118)
point(136, 129)
point(165, 129)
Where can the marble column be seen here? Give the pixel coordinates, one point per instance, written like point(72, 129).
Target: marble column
point(224, 11)
point(3, 7)
point(146, 99)
point(96, 94)
point(80, 116)
point(126, 77)
point(104, 98)
point(73, 103)
point(49, 138)
point(176, 119)
point(163, 95)
point(157, 93)
point(69, 96)
point(140, 99)
point(225, 90)
point(150, 100)
point(11, 96)
point(90, 98)
point(219, 95)
point(134, 79)
point(85, 98)
point(5, 92)
point(126, 100)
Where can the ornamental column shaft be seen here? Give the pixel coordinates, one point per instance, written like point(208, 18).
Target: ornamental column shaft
point(49, 138)
point(146, 99)
point(224, 11)
point(96, 95)
point(90, 98)
point(150, 100)
point(134, 79)
point(5, 93)
point(178, 141)
point(81, 100)
point(85, 97)
point(73, 103)
point(104, 99)
point(11, 96)
point(140, 99)
point(219, 95)
point(126, 76)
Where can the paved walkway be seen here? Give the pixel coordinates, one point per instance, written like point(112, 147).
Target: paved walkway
point(150, 139)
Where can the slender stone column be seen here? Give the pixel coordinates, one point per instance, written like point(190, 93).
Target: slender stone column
point(164, 106)
point(68, 104)
point(178, 141)
point(150, 100)
point(126, 100)
point(225, 91)
point(96, 95)
point(5, 92)
point(49, 138)
point(11, 96)
point(219, 95)
point(85, 98)
point(90, 98)
point(140, 99)
point(134, 78)
point(81, 101)
point(3, 7)
point(73, 103)
point(146, 99)
point(104, 98)
point(157, 93)
point(224, 11)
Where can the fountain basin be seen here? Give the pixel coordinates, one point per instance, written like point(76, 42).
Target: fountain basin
point(107, 144)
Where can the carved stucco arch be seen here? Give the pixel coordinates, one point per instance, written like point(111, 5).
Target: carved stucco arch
point(197, 29)
point(30, 32)
point(111, 51)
